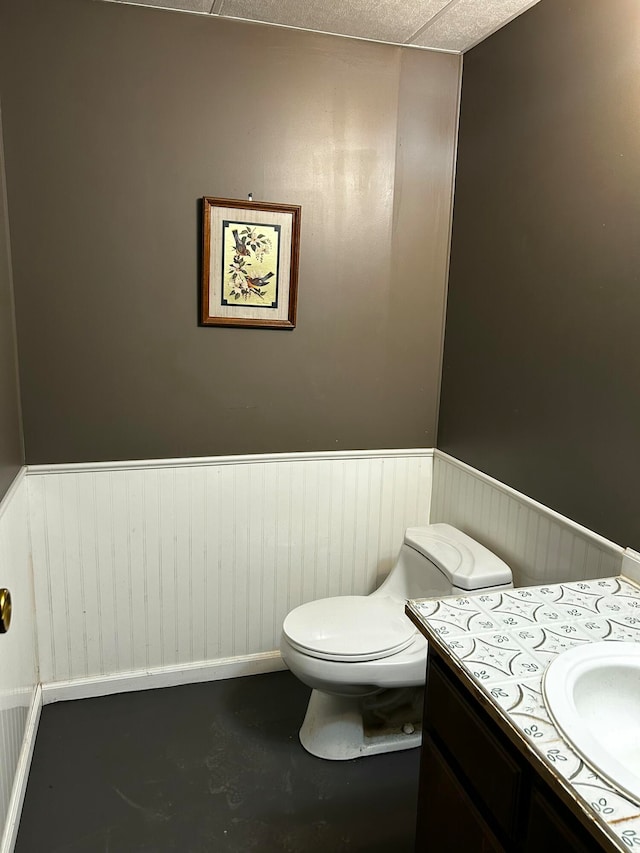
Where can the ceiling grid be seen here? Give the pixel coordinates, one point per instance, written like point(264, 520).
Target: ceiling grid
point(452, 25)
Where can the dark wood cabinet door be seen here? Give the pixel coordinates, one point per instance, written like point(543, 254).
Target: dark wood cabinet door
point(478, 793)
point(552, 828)
point(448, 821)
point(488, 767)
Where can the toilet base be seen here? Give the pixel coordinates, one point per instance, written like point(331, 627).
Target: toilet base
point(339, 728)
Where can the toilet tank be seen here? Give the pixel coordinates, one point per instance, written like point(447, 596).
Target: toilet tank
point(439, 559)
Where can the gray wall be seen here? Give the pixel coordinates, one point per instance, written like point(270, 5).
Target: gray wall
point(11, 456)
point(117, 120)
point(541, 378)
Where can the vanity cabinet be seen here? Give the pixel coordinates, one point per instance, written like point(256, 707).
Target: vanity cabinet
point(478, 792)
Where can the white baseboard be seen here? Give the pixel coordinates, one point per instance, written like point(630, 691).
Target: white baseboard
point(168, 676)
point(18, 791)
point(85, 688)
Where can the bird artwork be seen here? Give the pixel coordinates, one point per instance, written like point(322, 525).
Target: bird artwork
point(241, 247)
point(259, 243)
point(259, 281)
point(249, 275)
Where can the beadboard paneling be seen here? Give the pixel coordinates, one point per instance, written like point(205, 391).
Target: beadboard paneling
point(161, 564)
point(540, 545)
point(17, 647)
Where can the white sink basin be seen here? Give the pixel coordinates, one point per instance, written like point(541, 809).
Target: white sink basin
point(593, 694)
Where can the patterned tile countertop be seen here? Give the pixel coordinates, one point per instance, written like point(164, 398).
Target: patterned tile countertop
point(505, 640)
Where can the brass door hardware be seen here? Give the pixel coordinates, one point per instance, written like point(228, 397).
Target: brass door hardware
point(5, 610)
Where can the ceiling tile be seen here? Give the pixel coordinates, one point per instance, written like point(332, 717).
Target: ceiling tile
point(466, 22)
point(181, 5)
point(384, 20)
point(453, 25)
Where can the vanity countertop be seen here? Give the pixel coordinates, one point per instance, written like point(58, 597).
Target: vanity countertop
point(500, 645)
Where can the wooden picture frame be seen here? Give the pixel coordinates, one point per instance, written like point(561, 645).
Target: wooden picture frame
point(249, 263)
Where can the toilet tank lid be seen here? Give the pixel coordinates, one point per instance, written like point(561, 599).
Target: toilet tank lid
point(466, 563)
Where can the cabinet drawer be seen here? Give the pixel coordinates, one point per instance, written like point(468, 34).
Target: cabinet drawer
point(491, 773)
point(448, 822)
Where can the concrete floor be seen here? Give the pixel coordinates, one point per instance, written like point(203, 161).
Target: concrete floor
point(207, 768)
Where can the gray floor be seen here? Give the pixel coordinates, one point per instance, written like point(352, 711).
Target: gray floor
point(207, 767)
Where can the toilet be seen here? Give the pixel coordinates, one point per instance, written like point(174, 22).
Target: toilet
point(363, 658)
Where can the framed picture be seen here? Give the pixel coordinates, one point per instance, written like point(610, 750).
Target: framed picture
point(249, 263)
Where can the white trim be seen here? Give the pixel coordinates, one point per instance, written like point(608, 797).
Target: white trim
point(13, 488)
point(162, 676)
point(631, 566)
point(32, 586)
point(248, 459)
point(540, 508)
point(18, 791)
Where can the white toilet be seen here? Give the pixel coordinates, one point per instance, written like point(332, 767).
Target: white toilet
point(365, 660)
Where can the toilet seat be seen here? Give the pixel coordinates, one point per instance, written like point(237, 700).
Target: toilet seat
point(349, 628)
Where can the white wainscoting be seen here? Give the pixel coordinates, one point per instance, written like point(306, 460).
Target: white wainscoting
point(175, 566)
point(156, 564)
point(540, 545)
point(18, 677)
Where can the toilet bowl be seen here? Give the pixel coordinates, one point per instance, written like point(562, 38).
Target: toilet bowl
point(363, 658)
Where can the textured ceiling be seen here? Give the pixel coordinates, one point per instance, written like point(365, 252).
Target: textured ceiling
point(445, 24)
